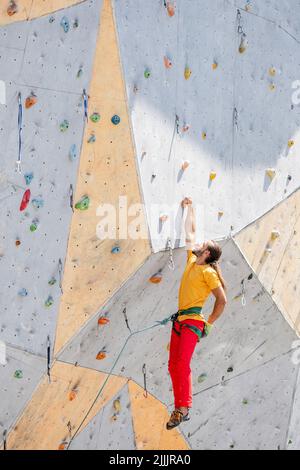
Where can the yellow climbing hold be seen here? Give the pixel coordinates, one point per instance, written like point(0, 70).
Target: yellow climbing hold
point(272, 71)
point(243, 44)
point(212, 175)
point(117, 405)
point(291, 143)
point(271, 173)
point(168, 347)
point(214, 65)
point(220, 213)
point(187, 73)
point(204, 135)
point(272, 86)
point(275, 234)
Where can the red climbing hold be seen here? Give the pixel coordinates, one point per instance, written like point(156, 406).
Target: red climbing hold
point(103, 321)
point(101, 355)
point(25, 200)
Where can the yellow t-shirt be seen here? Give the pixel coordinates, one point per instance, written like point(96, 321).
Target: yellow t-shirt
point(196, 284)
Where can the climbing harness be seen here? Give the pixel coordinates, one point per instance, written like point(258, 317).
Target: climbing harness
point(20, 121)
point(189, 311)
point(145, 381)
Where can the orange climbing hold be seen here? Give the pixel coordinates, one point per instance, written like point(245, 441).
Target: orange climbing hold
point(62, 446)
point(167, 62)
point(30, 101)
point(214, 65)
point(103, 320)
point(12, 8)
point(72, 395)
point(170, 9)
point(101, 355)
point(156, 278)
point(185, 165)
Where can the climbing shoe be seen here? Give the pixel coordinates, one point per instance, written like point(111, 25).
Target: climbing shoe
point(176, 418)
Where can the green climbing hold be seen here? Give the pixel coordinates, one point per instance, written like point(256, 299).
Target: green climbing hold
point(80, 72)
point(49, 301)
point(95, 117)
point(52, 281)
point(34, 225)
point(245, 401)
point(64, 126)
point(18, 374)
point(201, 378)
point(83, 204)
point(115, 120)
point(147, 73)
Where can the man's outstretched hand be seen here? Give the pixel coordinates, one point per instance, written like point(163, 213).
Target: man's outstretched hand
point(187, 201)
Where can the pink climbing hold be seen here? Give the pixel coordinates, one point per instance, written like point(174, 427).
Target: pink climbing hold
point(25, 200)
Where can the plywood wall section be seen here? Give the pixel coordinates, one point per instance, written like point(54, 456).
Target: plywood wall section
point(107, 171)
point(44, 423)
point(276, 261)
point(29, 9)
point(149, 422)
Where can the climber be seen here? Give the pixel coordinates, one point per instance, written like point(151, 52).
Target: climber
point(201, 277)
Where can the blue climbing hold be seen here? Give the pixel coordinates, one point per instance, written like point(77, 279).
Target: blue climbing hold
point(37, 203)
point(116, 249)
point(28, 177)
point(23, 292)
point(115, 120)
point(73, 152)
point(65, 24)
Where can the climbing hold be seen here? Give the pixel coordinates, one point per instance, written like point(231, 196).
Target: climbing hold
point(187, 73)
point(245, 401)
point(63, 445)
point(163, 217)
point(103, 320)
point(220, 213)
point(95, 117)
point(80, 72)
point(92, 139)
point(167, 62)
point(248, 6)
point(291, 143)
point(51, 19)
point(64, 126)
point(156, 278)
point(116, 249)
point(271, 173)
point(268, 250)
point(28, 178)
point(215, 65)
point(25, 200)
point(289, 178)
point(272, 71)
point(115, 120)
point(185, 165)
point(72, 395)
point(117, 405)
point(30, 101)
point(76, 23)
point(12, 8)
point(168, 347)
point(83, 204)
point(230, 369)
point(34, 225)
point(185, 128)
point(73, 152)
point(204, 135)
point(147, 73)
point(18, 242)
point(243, 44)
point(18, 374)
point(170, 9)
point(201, 378)
point(23, 292)
point(272, 86)
point(275, 234)
point(37, 203)
point(52, 281)
point(212, 175)
point(49, 301)
point(65, 24)
point(101, 355)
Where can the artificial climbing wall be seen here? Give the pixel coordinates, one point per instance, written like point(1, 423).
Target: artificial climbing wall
point(153, 101)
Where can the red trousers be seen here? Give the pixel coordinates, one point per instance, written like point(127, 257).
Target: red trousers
point(181, 351)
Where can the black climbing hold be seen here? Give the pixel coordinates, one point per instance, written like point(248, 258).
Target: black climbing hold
point(250, 277)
